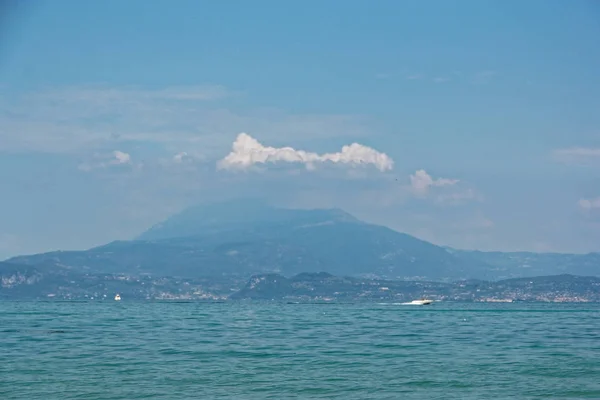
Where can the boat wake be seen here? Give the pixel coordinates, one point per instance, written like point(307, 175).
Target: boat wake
point(423, 302)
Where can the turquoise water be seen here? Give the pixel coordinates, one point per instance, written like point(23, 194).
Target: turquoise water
point(162, 350)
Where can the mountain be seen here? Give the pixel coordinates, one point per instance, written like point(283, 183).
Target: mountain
point(239, 214)
point(242, 238)
point(25, 282)
point(338, 247)
point(326, 287)
point(517, 264)
point(232, 242)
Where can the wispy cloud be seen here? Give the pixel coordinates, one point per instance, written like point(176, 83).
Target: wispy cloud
point(93, 118)
point(181, 157)
point(477, 78)
point(188, 160)
point(483, 77)
point(476, 222)
point(247, 151)
point(577, 155)
point(589, 204)
point(459, 197)
point(115, 158)
point(383, 75)
point(421, 182)
point(105, 95)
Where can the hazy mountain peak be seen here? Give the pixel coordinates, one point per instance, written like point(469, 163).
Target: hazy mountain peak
point(238, 213)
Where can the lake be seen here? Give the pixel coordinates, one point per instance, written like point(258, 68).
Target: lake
point(246, 350)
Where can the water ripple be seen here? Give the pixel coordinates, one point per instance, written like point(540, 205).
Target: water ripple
point(162, 350)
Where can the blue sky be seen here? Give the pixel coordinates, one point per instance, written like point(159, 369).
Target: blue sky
point(477, 122)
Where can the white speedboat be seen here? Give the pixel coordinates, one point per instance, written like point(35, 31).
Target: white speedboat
point(422, 302)
point(117, 297)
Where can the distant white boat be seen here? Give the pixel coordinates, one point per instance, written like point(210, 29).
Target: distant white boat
point(117, 297)
point(422, 302)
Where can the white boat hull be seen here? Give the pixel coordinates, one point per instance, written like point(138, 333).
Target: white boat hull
point(420, 302)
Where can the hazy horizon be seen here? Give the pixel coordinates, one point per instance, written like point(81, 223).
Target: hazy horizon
point(241, 199)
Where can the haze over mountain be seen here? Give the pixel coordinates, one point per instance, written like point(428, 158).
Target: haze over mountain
point(247, 237)
point(237, 214)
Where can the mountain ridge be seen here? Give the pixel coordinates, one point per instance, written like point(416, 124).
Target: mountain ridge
point(327, 287)
point(237, 214)
point(24, 282)
point(248, 237)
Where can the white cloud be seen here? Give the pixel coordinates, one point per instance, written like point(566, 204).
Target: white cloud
point(188, 160)
point(180, 157)
point(589, 204)
point(117, 157)
point(120, 158)
point(247, 151)
point(421, 181)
